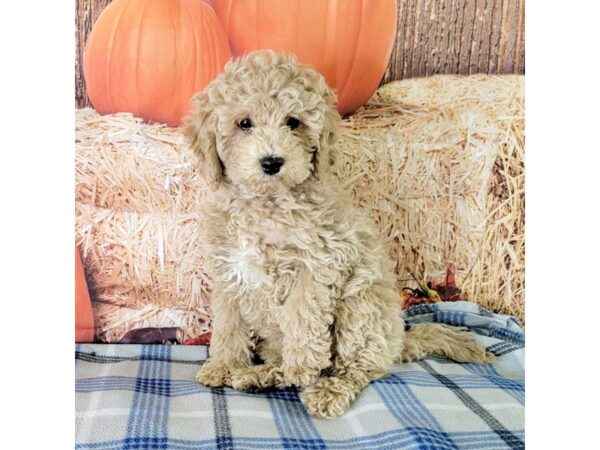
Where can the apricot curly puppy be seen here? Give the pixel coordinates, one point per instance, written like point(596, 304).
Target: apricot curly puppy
point(301, 278)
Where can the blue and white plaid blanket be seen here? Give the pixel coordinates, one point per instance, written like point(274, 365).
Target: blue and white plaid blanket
point(145, 397)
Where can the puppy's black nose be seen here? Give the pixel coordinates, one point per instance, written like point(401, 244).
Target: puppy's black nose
point(271, 164)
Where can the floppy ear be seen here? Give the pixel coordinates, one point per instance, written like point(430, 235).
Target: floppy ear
point(200, 129)
point(329, 135)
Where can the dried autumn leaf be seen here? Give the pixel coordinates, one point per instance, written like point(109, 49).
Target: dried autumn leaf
point(448, 290)
point(203, 339)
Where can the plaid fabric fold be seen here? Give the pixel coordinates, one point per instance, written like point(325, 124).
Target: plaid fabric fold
point(145, 397)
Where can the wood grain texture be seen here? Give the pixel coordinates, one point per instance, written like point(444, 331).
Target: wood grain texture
point(458, 37)
point(433, 36)
point(87, 11)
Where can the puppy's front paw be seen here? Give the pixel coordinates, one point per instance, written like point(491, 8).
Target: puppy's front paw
point(327, 398)
point(246, 379)
point(300, 376)
point(256, 378)
point(214, 374)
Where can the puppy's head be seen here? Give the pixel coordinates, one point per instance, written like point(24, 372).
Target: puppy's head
point(265, 125)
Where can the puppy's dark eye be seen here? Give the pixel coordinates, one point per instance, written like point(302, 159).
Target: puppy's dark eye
point(292, 122)
point(245, 124)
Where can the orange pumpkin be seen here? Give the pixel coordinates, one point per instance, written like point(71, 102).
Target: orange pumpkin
point(149, 57)
point(348, 41)
point(84, 316)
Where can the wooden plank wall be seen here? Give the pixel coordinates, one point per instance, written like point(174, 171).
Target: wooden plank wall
point(433, 36)
point(458, 37)
point(87, 11)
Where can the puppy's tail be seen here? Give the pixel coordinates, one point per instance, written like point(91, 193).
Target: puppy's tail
point(426, 339)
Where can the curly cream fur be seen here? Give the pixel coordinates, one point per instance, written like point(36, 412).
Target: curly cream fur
point(300, 277)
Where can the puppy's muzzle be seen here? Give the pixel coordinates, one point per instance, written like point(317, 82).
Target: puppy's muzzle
point(271, 165)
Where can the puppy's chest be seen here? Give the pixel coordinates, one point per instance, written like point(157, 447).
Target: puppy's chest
point(262, 257)
point(265, 264)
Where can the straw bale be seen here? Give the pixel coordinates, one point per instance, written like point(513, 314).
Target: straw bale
point(144, 270)
point(433, 195)
point(125, 164)
point(436, 162)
